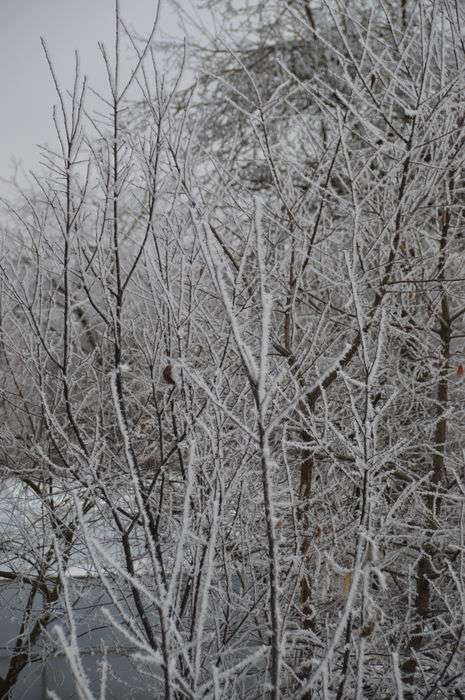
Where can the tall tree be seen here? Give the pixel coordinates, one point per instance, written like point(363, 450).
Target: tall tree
point(247, 355)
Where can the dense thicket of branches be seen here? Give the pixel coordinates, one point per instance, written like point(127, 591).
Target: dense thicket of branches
point(232, 365)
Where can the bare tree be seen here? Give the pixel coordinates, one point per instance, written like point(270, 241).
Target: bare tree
point(238, 398)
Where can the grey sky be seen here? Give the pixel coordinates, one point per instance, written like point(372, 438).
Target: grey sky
point(28, 95)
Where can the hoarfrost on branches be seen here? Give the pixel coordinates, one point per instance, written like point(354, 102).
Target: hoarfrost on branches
point(232, 366)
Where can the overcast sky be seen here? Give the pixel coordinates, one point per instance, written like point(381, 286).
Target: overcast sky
point(26, 88)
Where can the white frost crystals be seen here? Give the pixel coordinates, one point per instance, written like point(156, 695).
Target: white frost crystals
point(231, 362)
